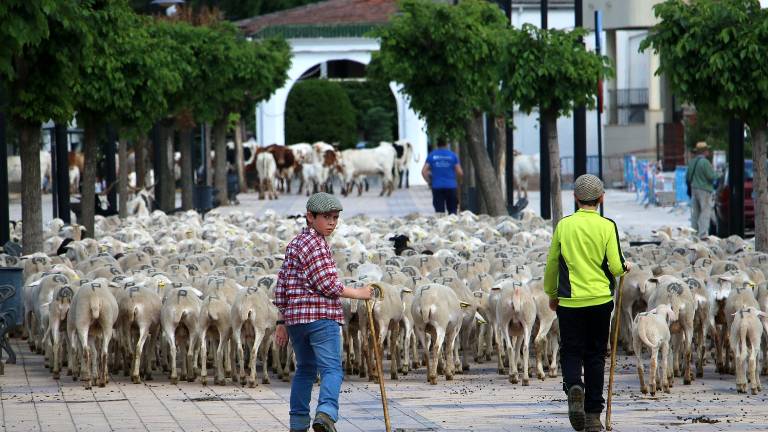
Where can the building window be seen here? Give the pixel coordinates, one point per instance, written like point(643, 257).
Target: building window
point(628, 106)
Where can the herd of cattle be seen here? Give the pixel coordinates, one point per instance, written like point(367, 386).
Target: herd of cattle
point(465, 288)
point(273, 168)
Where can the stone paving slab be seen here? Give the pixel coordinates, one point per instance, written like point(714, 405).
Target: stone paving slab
point(620, 206)
point(480, 400)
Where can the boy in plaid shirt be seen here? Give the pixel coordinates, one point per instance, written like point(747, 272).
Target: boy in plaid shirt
point(307, 297)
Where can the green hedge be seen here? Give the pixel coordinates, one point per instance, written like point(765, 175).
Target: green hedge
point(320, 110)
point(375, 110)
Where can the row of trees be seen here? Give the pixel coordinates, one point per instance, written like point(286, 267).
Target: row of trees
point(458, 62)
point(714, 54)
point(102, 61)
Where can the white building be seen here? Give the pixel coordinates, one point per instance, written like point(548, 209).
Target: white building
point(638, 118)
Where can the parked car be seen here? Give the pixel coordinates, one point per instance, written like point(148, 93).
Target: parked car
point(723, 199)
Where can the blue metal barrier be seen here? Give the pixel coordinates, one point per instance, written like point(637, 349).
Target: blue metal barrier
point(11, 310)
point(681, 189)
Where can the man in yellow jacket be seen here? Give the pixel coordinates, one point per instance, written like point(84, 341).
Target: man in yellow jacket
point(583, 262)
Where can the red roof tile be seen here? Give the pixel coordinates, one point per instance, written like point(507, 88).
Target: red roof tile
point(327, 12)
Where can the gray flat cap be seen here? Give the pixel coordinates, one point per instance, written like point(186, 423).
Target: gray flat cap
point(322, 202)
point(588, 187)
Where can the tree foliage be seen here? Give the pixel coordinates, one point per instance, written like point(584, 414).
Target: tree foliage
point(446, 57)
point(714, 54)
point(550, 70)
point(319, 110)
point(375, 109)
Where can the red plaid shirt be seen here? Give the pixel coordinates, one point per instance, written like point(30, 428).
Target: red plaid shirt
point(308, 285)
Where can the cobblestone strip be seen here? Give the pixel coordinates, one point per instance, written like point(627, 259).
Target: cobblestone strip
point(29, 386)
point(64, 399)
point(130, 403)
point(228, 405)
point(197, 405)
point(169, 411)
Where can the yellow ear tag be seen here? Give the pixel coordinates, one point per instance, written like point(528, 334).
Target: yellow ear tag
point(464, 304)
point(161, 284)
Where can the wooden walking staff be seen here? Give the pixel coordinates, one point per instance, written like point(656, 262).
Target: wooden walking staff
point(614, 346)
point(377, 352)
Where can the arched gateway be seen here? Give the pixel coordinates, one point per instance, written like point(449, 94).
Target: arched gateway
point(324, 32)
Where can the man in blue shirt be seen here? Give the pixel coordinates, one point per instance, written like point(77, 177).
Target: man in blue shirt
point(443, 172)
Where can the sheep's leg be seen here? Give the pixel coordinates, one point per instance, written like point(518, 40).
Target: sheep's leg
point(204, 356)
point(85, 375)
point(500, 350)
point(526, 351)
point(219, 379)
point(433, 353)
point(665, 365)
point(240, 359)
point(687, 354)
point(55, 348)
point(137, 354)
point(264, 355)
point(106, 337)
point(555, 345)
point(754, 379)
point(257, 338)
point(450, 360)
point(654, 370)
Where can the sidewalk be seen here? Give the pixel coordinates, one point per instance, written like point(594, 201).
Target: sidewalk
point(30, 400)
point(620, 206)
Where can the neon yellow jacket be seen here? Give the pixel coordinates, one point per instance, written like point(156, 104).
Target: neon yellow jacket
point(583, 261)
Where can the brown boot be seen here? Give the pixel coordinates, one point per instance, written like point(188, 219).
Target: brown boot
point(593, 423)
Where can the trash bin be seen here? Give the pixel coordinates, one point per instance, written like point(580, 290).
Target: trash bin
point(203, 198)
point(11, 312)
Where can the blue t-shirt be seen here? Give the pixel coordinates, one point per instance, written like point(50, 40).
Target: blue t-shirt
point(441, 163)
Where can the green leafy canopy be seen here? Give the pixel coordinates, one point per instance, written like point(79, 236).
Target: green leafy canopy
point(446, 58)
point(552, 70)
point(714, 54)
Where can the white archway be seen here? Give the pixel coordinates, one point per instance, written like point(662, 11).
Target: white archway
point(270, 114)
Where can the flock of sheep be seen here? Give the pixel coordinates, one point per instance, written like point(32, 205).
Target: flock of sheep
point(146, 289)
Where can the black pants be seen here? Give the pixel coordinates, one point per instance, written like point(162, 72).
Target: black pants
point(583, 341)
point(442, 198)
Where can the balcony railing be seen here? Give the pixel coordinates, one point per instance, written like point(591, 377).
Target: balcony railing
point(627, 106)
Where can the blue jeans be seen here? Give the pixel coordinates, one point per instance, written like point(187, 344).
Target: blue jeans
point(318, 349)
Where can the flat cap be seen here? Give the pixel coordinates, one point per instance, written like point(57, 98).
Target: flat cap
point(322, 202)
point(588, 187)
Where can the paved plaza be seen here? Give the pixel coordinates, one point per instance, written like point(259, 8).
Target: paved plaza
point(480, 400)
point(620, 206)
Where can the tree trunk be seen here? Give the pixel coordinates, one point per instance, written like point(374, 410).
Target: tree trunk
point(187, 136)
point(170, 186)
point(88, 183)
point(468, 181)
point(239, 157)
point(550, 117)
point(31, 195)
point(500, 153)
point(141, 161)
point(487, 182)
point(207, 154)
point(220, 168)
point(122, 180)
point(760, 186)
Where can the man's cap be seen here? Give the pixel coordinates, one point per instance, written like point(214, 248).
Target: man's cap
point(588, 188)
point(322, 202)
point(701, 146)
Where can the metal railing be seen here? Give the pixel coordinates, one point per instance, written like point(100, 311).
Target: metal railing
point(627, 106)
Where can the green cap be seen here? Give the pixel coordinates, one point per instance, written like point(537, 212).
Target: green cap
point(322, 202)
